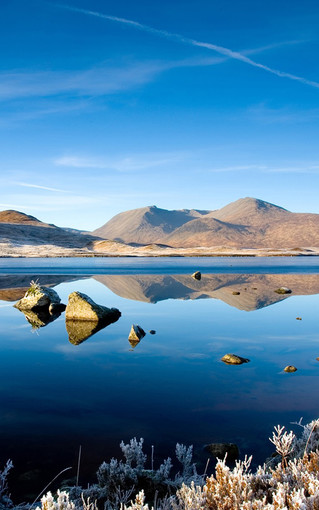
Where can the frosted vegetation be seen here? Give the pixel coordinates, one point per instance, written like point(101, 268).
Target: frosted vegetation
point(288, 481)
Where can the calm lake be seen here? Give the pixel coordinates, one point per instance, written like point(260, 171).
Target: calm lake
point(59, 390)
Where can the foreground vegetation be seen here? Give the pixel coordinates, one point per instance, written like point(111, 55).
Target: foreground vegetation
point(288, 481)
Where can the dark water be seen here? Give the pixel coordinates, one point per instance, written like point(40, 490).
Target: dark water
point(172, 386)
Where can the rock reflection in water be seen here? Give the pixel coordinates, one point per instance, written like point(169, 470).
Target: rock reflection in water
point(79, 331)
point(41, 317)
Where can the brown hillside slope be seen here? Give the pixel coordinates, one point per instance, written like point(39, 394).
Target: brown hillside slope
point(11, 216)
point(19, 229)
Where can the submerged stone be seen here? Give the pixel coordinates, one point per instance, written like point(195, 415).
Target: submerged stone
point(290, 368)
point(233, 359)
point(283, 290)
point(81, 307)
point(219, 450)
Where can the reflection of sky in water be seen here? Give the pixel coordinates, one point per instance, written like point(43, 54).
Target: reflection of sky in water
point(171, 387)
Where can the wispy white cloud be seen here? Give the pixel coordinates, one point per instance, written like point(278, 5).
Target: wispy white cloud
point(31, 202)
point(302, 168)
point(125, 164)
point(193, 42)
point(95, 81)
point(238, 168)
point(27, 185)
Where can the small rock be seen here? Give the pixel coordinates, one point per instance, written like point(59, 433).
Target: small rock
point(82, 307)
point(283, 290)
point(197, 275)
point(317, 359)
point(233, 359)
point(298, 318)
point(136, 333)
point(152, 332)
point(235, 293)
point(290, 368)
point(219, 450)
point(37, 297)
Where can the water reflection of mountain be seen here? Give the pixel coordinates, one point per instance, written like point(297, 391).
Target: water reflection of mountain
point(13, 287)
point(256, 291)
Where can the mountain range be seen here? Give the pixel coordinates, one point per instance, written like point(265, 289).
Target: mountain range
point(246, 224)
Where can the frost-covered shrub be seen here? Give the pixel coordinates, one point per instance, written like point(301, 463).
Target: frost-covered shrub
point(292, 483)
point(5, 501)
point(119, 479)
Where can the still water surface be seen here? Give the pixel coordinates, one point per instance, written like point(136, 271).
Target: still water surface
point(171, 387)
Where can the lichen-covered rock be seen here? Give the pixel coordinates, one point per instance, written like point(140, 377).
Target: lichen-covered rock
point(283, 290)
point(37, 297)
point(82, 307)
point(233, 359)
point(219, 450)
point(197, 275)
point(290, 368)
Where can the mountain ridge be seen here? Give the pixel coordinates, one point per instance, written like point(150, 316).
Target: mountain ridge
point(246, 226)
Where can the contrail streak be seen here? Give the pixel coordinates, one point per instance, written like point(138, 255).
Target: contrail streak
point(235, 55)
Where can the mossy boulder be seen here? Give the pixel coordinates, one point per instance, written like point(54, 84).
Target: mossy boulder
point(82, 308)
point(37, 297)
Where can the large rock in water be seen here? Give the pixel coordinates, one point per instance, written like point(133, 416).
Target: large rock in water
point(37, 297)
point(82, 307)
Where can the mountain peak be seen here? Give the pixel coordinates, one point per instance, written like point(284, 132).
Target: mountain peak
point(12, 216)
point(250, 210)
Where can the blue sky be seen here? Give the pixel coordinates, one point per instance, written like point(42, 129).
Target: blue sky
point(112, 105)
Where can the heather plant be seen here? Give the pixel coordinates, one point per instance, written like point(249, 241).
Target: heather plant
point(292, 483)
point(34, 288)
